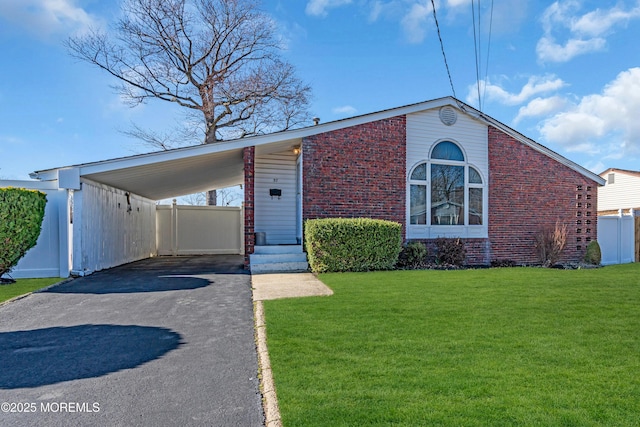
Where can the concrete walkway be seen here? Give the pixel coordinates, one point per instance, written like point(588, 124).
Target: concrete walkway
point(287, 285)
point(161, 342)
point(270, 287)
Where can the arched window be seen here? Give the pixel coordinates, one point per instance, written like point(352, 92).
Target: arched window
point(445, 190)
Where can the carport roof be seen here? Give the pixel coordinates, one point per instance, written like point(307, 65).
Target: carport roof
point(188, 170)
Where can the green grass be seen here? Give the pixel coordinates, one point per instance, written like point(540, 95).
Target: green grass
point(493, 347)
point(24, 286)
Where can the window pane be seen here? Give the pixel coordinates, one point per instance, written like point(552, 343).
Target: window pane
point(420, 172)
point(447, 150)
point(418, 204)
point(447, 195)
point(474, 176)
point(475, 206)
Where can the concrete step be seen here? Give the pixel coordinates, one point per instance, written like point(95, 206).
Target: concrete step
point(279, 267)
point(278, 249)
point(271, 258)
point(278, 259)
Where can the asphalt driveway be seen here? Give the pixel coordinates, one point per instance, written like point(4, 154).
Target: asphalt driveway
point(161, 342)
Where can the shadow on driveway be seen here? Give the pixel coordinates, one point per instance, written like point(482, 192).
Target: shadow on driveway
point(157, 274)
point(52, 355)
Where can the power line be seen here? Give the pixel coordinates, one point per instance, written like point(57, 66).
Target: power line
point(477, 45)
point(486, 70)
point(476, 48)
point(435, 18)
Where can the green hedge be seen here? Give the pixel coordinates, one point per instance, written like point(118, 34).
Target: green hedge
point(352, 244)
point(21, 214)
point(593, 255)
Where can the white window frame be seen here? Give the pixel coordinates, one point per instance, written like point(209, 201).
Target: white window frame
point(428, 230)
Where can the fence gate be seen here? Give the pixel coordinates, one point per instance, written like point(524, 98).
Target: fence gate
point(199, 230)
point(619, 238)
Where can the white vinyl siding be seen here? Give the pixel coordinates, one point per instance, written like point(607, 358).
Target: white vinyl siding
point(624, 193)
point(276, 216)
point(424, 131)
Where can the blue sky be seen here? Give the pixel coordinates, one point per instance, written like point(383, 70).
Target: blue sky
point(564, 73)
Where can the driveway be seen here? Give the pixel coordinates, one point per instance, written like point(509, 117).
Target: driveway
point(167, 341)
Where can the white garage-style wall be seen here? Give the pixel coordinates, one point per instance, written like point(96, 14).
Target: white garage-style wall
point(110, 227)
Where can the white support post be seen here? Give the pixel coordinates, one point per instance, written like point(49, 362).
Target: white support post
point(77, 267)
point(174, 228)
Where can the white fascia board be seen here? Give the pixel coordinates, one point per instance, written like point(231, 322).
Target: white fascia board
point(69, 178)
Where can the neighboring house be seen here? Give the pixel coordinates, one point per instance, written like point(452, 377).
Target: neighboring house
point(620, 191)
point(440, 168)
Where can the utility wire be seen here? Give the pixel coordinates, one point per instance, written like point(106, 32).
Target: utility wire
point(486, 70)
point(435, 18)
point(477, 45)
point(476, 48)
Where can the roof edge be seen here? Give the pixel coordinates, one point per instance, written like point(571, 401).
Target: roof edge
point(294, 134)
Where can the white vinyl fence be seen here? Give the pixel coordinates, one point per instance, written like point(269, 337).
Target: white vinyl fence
point(51, 256)
point(617, 238)
point(199, 230)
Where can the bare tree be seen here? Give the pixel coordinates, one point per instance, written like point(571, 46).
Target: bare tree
point(218, 58)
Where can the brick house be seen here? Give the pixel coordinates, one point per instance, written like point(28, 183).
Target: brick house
point(440, 168)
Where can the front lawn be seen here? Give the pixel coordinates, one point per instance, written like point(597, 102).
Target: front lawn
point(24, 286)
point(493, 347)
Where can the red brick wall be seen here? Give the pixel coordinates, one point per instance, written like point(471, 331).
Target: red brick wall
point(356, 172)
point(527, 191)
point(249, 154)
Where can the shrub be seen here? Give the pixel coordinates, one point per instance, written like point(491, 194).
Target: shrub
point(593, 255)
point(550, 242)
point(413, 255)
point(21, 214)
point(352, 244)
point(450, 251)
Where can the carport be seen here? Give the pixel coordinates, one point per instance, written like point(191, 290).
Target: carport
point(109, 214)
point(103, 214)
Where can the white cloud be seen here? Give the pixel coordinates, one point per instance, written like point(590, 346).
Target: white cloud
point(535, 85)
point(320, 7)
point(541, 107)
point(458, 3)
point(600, 22)
point(47, 17)
point(581, 34)
point(414, 22)
point(548, 50)
point(345, 110)
point(610, 119)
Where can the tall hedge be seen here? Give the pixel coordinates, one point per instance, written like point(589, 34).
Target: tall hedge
point(352, 244)
point(21, 215)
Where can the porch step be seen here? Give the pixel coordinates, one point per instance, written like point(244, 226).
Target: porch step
point(278, 259)
point(278, 249)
